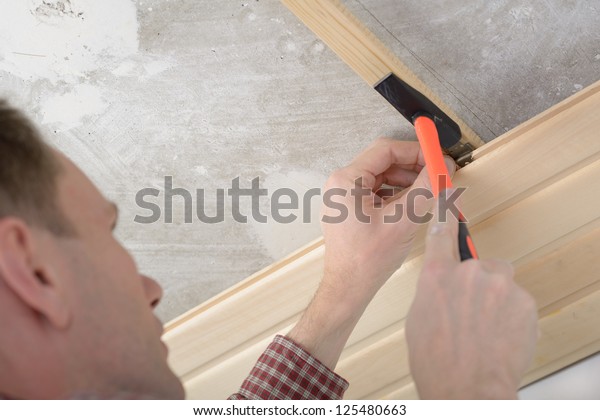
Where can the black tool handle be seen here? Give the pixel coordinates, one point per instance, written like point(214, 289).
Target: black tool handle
point(466, 248)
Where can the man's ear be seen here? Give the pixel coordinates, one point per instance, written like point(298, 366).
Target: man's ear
point(27, 277)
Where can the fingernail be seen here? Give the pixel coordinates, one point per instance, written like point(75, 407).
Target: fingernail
point(450, 164)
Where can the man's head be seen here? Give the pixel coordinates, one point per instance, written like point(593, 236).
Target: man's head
point(76, 316)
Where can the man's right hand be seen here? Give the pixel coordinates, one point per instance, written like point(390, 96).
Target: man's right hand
point(471, 330)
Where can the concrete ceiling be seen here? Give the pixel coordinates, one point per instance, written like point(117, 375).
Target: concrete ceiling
point(206, 91)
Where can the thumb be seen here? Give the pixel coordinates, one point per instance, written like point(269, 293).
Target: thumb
point(423, 182)
point(441, 244)
point(450, 166)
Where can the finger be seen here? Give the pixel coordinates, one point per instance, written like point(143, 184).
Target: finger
point(408, 210)
point(387, 193)
point(406, 175)
point(451, 165)
point(415, 167)
point(396, 176)
point(417, 197)
point(379, 157)
point(441, 244)
point(442, 179)
point(415, 201)
point(397, 194)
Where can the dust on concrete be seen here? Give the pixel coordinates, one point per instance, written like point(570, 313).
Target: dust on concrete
point(50, 8)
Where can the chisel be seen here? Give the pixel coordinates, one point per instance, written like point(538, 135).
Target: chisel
point(435, 131)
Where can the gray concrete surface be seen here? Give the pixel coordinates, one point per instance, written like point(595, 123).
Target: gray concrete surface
point(206, 91)
point(498, 62)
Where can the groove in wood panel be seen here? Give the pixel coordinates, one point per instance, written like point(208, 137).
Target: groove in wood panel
point(573, 201)
point(371, 368)
point(561, 363)
point(407, 392)
point(267, 336)
point(558, 243)
point(546, 148)
point(577, 295)
point(220, 381)
point(359, 346)
point(563, 274)
point(573, 330)
point(387, 392)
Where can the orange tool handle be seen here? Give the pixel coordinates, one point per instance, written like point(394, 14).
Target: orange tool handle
point(440, 178)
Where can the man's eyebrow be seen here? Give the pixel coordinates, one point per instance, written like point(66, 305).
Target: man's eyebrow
point(115, 216)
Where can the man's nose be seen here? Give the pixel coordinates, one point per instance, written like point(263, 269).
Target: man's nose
point(153, 291)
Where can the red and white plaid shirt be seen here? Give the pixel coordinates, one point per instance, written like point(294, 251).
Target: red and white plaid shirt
point(286, 371)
